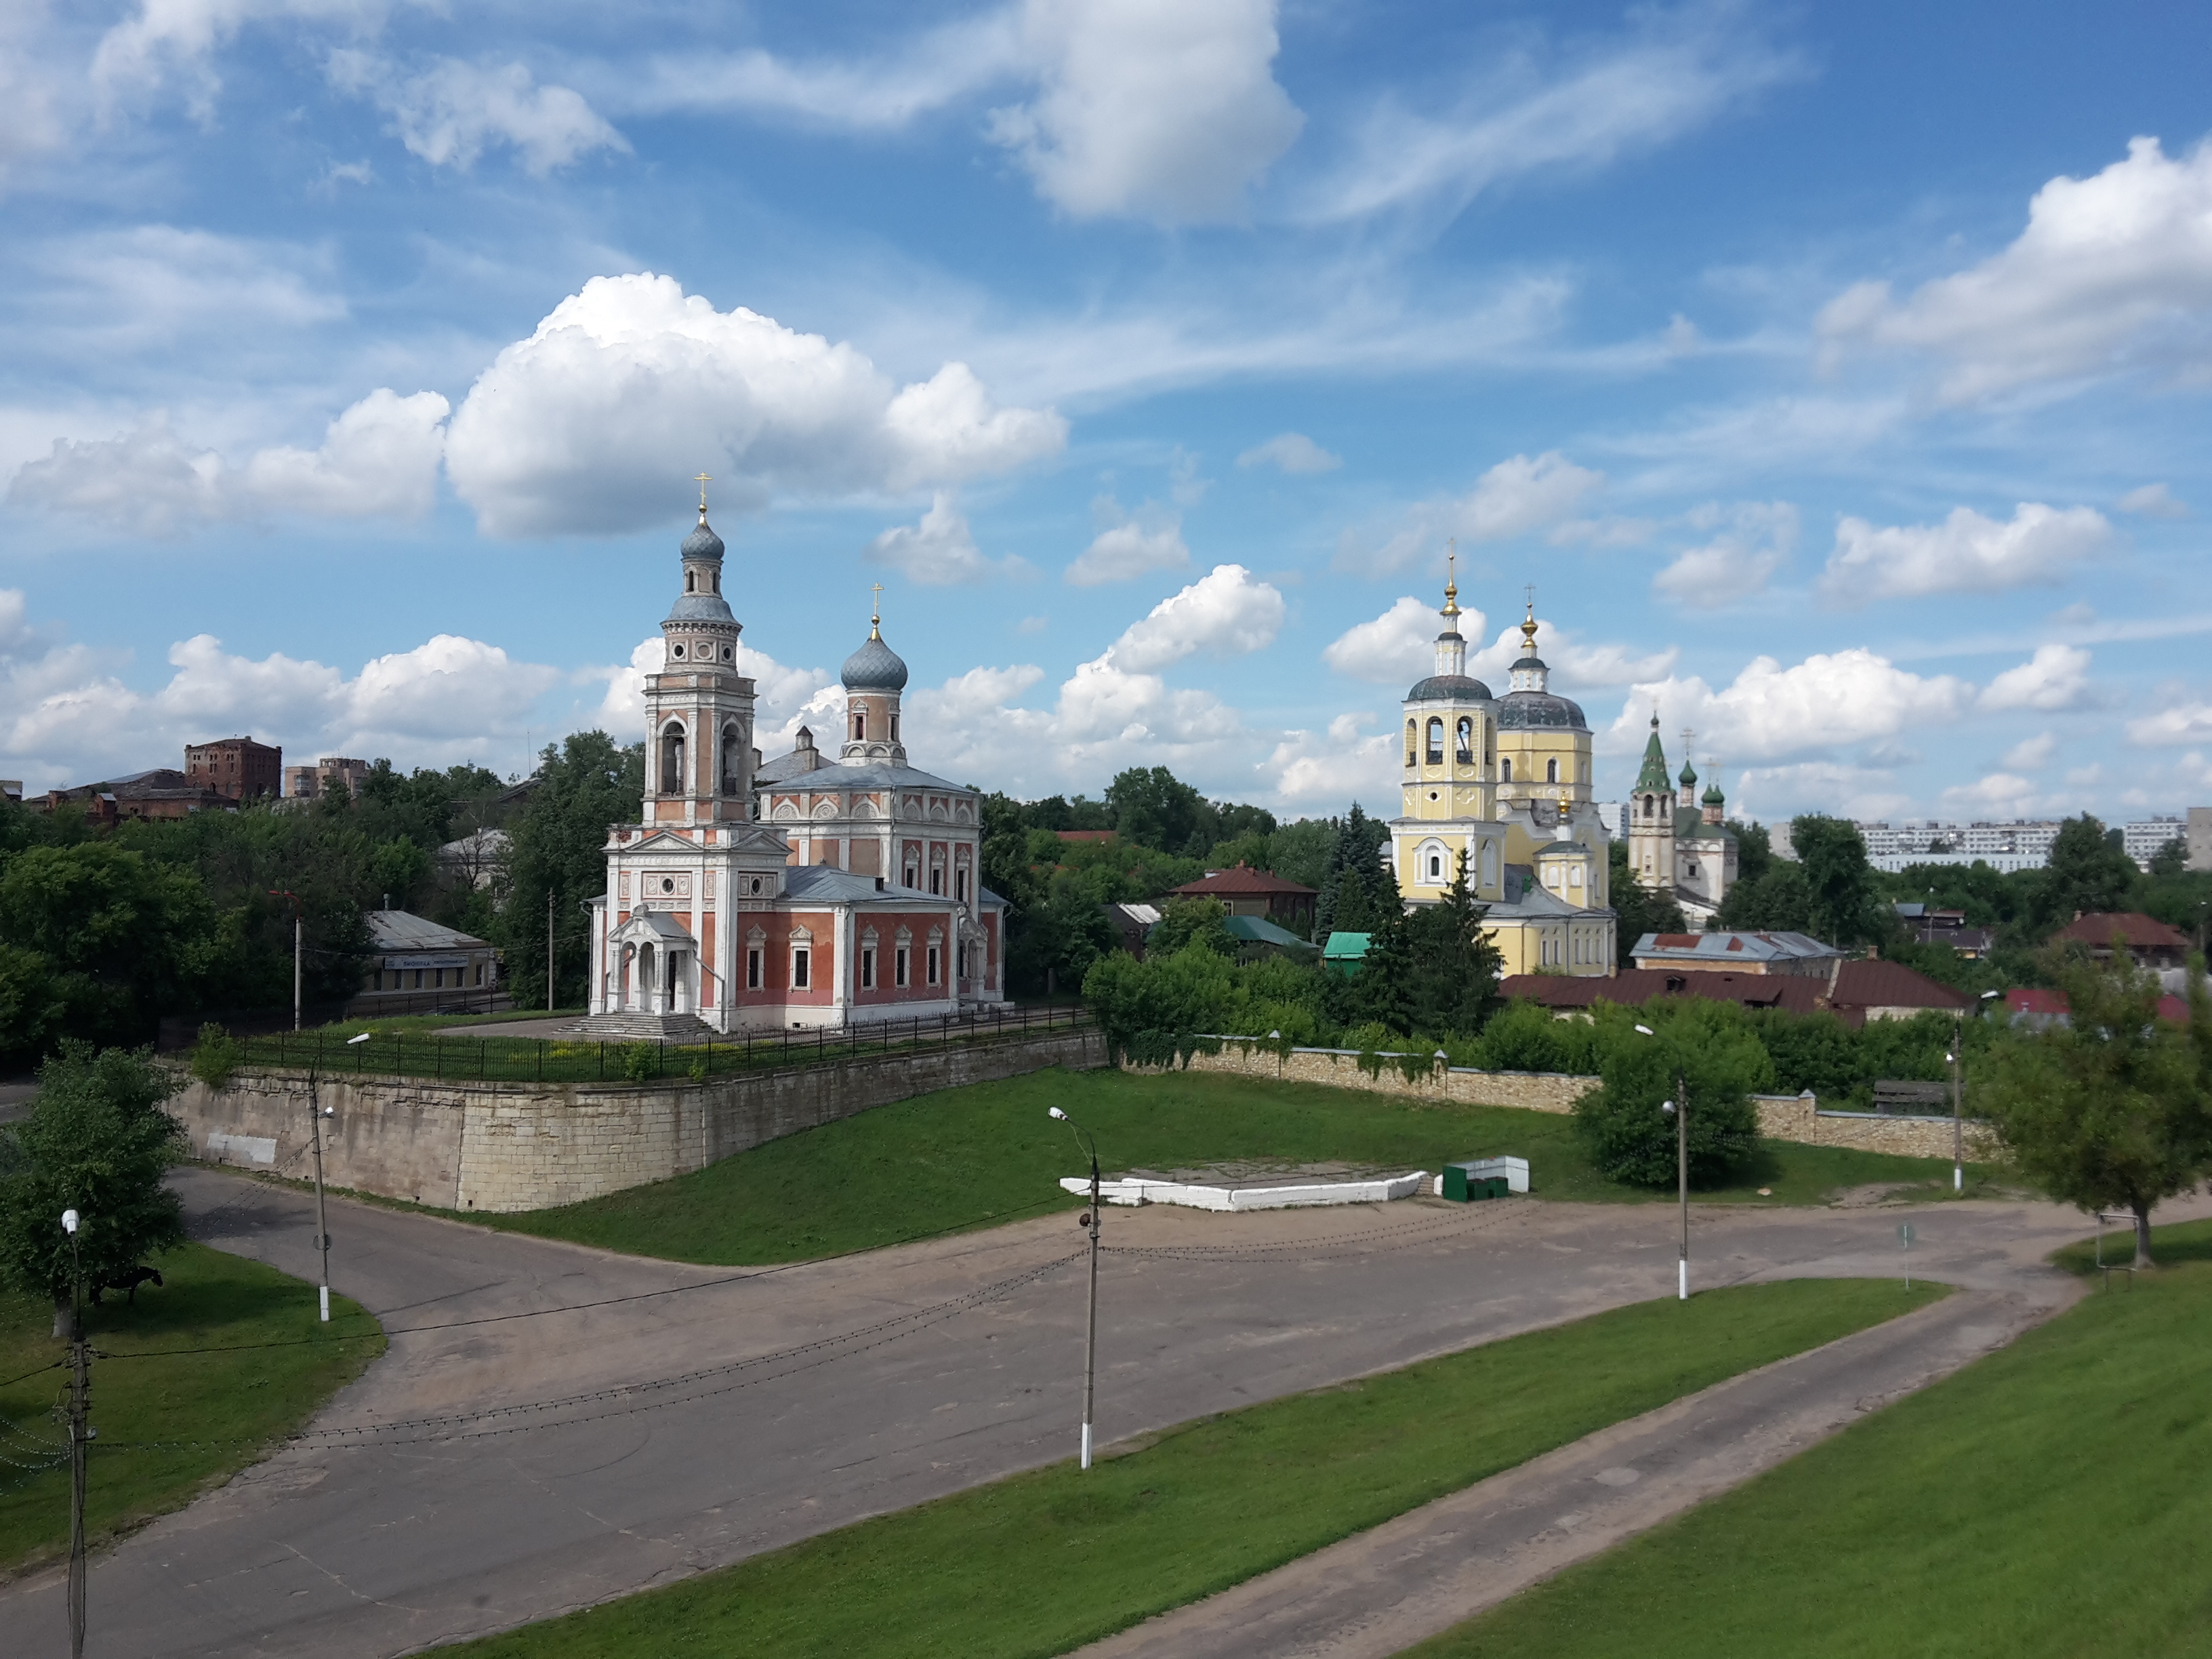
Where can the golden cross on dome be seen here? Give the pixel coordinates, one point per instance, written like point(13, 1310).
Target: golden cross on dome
point(876, 613)
point(1451, 577)
point(703, 481)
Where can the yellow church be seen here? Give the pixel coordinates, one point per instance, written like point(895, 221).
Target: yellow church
point(1506, 781)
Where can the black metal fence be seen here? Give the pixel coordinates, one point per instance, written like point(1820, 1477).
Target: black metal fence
point(584, 1058)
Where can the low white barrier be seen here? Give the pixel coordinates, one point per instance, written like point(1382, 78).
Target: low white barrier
point(1135, 1190)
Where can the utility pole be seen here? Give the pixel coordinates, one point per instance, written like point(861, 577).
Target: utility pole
point(548, 950)
point(80, 1432)
point(299, 935)
point(322, 1216)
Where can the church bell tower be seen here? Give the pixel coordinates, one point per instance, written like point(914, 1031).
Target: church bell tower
point(699, 709)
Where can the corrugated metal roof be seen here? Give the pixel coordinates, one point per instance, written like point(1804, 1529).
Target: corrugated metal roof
point(401, 930)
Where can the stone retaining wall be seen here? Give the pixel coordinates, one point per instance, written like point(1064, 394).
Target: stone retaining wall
point(1781, 1117)
point(1340, 1068)
point(505, 1146)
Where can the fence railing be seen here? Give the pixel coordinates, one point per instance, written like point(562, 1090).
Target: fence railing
point(583, 1058)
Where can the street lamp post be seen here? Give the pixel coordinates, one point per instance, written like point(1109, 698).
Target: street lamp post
point(322, 1218)
point(79, 1433)
point(1957, 1057)
point(1090, 1340)
point(1678, 1109)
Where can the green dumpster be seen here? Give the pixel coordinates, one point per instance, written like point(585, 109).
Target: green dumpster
point(1474, 1178)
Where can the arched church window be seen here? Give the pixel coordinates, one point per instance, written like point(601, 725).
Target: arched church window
point(1436, 741)
point(1505, 770)
point(731, 755)
point(1550, 771)
point(1435, 867)
point(895, 728)
point(672, 758)
point(1411, 739)
point(691, 581)
point(860, 726)
point(1466, 745)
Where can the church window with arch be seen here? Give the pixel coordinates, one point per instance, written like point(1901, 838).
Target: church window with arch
point(1466, 745)
point(672, 758)
point(1436, 741)
point(731, 755)
point(1413, 741)
point(1505, 770)
point(1552, 771)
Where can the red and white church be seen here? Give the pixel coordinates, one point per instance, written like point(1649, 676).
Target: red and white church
point(806, 891)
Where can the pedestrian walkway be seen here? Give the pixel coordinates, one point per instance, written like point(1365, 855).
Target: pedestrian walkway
point(1380, 1591)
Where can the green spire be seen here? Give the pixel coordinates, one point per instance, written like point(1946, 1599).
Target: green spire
point(1654, 774)
point(1689, 778)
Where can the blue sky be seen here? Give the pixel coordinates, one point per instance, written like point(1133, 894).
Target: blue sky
point(1838, 376)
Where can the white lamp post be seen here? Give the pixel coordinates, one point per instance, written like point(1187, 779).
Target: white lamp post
point(1678, 1109)
point(1091, 1339)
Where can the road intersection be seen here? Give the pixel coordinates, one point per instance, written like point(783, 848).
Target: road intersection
point(554, 1424)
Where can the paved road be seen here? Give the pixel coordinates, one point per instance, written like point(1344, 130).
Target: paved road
point(555, 1425)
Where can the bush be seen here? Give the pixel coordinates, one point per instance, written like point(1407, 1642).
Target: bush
point(216, 1056)
point(641, 1061)
point(1708, 1044)
point(1525, 1037)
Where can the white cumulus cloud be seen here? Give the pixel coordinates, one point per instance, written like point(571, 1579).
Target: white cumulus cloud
point(1163, 109)
point(377, 460)
point(2182, 722)
point(1520, 494)
point(2154, 501)
point(1127, 545)
point(1965, 554)
point(2031, 754)
point(1224, 613)
point(2056, 678)
point(1768, 712)
point(449, 112)
point(66, 717)
point(1753, 543)
point(1398, 646)
point(1290, 451)
point(939, 551)
point(1331, 769)
point(631, 385)
point(2113, 272)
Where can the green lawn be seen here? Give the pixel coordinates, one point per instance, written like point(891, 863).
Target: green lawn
point(967, 1157)
point(2051, 1501)
point(280, 1367)
point(1041, 1563)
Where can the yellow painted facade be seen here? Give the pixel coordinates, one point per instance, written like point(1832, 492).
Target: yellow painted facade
point(1505, 783)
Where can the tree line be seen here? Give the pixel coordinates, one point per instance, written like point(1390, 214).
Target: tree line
point(104, 931)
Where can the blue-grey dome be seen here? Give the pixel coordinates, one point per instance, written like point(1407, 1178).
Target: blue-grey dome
point(1456, 688)
point(702, 542)
point(700, 607)
point(1522, 709)
point(874, 667)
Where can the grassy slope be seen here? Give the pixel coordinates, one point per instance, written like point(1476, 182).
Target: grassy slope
point(235, 1401)
point(1040, 1563)
point(968, 1157)
point(2051, 1500)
